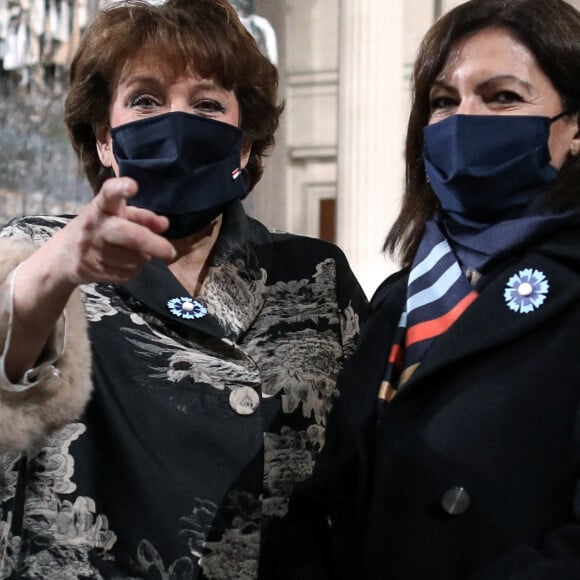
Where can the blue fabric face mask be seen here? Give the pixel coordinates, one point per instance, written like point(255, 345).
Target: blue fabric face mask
point(487, 167)
point(187, 167)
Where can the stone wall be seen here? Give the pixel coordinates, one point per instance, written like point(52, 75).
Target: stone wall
point(38, 170)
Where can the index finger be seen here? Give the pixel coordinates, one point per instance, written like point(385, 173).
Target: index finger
point(112, 197)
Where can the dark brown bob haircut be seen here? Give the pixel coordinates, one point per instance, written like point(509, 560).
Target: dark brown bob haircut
point(550, 29)
point(204, 34)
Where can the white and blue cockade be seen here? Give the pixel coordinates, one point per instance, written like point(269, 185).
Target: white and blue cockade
point(185, 307)
point(526, 291)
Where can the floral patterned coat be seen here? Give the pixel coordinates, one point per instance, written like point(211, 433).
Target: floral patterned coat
point(198, 428)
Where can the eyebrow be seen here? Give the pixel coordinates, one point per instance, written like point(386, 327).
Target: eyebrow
point(131, 79)
point(501, 78)
point(210, 85)
point(439, 83)
point(204, 84)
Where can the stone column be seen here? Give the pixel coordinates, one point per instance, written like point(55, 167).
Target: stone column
point(372, 110)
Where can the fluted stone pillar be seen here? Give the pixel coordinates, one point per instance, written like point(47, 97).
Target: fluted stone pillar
point(372, 107)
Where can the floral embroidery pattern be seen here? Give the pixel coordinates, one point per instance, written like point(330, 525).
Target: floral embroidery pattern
point(304, 372)
point(526, 291)
point(151, 564)
point(288, 459)
point(286, 339)
point(37, 229)
point(9, 544)
point(66, 531)
point(226, 539)
point(349, 326)
point(246, 295)
point(97, 304)
point(182, 362)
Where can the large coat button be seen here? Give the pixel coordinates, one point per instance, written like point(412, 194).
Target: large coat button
point(244, 401)
point(455, 501)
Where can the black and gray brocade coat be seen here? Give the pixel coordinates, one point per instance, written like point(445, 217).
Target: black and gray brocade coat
point(166, 476)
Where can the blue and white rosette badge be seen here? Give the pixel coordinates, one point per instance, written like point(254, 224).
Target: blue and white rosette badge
point(526, 291)
point(186, 308)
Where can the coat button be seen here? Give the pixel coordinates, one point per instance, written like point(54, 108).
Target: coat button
point(244, 401)
point(455, 501)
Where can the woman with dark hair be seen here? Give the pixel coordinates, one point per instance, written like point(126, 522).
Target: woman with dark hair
point(211, 344)
point(454, 450)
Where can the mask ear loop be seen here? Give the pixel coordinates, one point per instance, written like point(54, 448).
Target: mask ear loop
point(560, 115)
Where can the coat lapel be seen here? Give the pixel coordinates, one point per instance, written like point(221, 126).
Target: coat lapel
point(234, 290)
point(155, 286)
point(489, 323)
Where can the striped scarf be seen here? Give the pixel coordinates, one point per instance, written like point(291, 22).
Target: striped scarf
point(438, 293)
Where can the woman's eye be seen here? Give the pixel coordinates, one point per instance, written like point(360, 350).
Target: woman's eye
point(209, 106)
point(507, 97)
point(144, 101)
point(445, 102)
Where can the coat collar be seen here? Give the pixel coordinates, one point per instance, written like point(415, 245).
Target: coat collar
point(235, 286)
point(489, 323)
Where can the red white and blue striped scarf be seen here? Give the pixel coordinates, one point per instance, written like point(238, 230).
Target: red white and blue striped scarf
point(438, 293)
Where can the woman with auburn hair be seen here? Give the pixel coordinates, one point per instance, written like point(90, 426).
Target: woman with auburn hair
point(211, 344)
point(454, 450)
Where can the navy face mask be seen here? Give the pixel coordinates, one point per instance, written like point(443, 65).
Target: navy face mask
point(187, 167)
point(487, 167)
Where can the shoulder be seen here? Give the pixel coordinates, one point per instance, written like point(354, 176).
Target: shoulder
point(562, 248)
point(298, 244)
point(297, 251)
point(392, 287)
point(33, 228)
point(295, 257)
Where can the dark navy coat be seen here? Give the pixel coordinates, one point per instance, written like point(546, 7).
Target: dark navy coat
point(473, 470)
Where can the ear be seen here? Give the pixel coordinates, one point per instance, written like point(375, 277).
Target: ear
point(575, 143)
point(246, 150)
point(104, 146)
point(575, 146)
